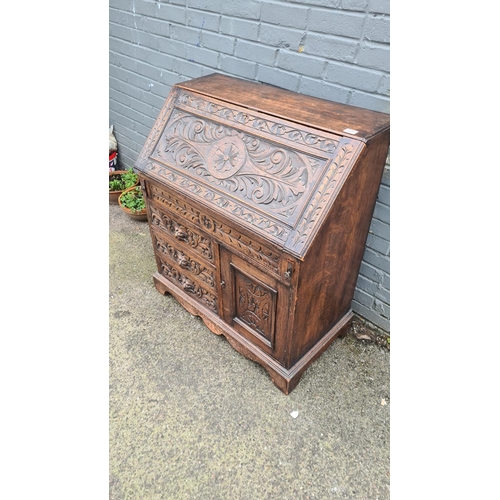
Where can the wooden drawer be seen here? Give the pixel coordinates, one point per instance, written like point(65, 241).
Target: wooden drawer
point(177, 254)
point(184, 281)
point(186, 270)
point(185, 214)
point(182, 232)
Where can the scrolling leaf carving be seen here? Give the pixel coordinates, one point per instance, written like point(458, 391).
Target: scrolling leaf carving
point(237, 162)
point(288, 132)
point(322, 195)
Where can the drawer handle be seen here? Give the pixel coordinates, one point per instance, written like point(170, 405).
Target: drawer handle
point(179, 234)
point(183, 261)
point(223, 284)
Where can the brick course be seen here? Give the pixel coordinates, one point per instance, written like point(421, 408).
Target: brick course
point(333, 49)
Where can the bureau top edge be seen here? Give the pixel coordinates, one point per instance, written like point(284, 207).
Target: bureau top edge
point(337, 118)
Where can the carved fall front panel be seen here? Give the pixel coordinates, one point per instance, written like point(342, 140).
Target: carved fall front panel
point(265, 175)
point(271, 176)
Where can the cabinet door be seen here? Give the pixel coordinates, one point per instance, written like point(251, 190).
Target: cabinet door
point(254, 303)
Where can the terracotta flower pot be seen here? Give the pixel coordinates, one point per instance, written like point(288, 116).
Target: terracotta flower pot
point(138, 215)
point(113, 195)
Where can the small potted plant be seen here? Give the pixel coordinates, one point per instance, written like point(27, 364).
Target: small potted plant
point(132, 202)
point(119, 180)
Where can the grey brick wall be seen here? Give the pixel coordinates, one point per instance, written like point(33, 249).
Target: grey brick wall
point(372, 294)
point(332, 49)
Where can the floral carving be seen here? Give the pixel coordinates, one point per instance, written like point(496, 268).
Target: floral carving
point(229, 235)
point(189, 286)
point(237, 162)
point(183, 260)
point(327, 144)
point(260, 222)
point(226, 157)
point(255, 306)
point(197, 242)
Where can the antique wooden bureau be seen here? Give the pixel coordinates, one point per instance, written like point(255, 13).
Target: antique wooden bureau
point(259, 205)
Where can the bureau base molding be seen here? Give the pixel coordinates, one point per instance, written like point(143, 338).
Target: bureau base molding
point(285, 380)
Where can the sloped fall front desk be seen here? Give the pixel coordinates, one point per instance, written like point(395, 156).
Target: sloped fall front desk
point(259, 203)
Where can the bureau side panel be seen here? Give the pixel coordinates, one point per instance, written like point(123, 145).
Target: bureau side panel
point(330, 269)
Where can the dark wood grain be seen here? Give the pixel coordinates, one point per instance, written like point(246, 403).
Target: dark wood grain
point(259, 206)
point(318, 113)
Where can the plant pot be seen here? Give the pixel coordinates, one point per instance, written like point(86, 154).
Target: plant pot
point(113, 195)
point(138, 215)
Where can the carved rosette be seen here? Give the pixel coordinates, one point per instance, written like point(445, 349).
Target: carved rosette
point(225, 158)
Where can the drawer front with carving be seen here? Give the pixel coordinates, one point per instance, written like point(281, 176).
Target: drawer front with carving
point(265, 256)
point(181, 232)
point(179, 256)
point(186, 270)
point(185, 282)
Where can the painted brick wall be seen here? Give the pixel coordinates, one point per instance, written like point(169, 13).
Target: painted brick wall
point(332, 49)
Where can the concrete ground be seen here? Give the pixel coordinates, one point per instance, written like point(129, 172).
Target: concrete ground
point(191, 418)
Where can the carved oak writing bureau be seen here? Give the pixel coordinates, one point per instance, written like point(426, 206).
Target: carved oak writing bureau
point(259, 204)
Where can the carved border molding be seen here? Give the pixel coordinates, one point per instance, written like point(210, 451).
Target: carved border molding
point(157, 131)
point(322, 196)
point(264, 224)
point(258, 123)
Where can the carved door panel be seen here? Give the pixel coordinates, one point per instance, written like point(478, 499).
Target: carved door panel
point(254, 303)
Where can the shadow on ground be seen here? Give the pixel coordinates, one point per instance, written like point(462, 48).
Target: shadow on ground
point(190, 418)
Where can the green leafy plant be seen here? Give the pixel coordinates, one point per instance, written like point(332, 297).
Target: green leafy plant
point(120, 182)
point(116, 185)
point(133, 200)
